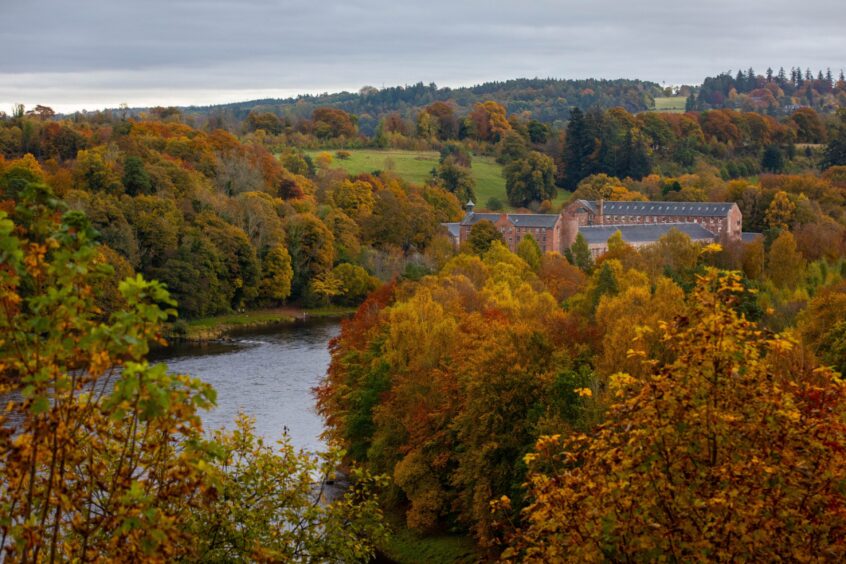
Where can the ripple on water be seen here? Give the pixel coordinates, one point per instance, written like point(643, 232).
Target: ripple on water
point(268, 375)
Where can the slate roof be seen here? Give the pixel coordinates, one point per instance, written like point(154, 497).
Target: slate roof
point(645, 233)
point(750, 237)
point(684, 209)
point(545, 220)
point(453, 228)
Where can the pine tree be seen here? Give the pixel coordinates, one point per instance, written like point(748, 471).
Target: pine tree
point(580, 254)
point(578, 149)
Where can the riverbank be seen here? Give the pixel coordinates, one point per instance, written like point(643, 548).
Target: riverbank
point(222, 326)
point(405, 546)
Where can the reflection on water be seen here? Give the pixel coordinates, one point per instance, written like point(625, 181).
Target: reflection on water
point(268, 375)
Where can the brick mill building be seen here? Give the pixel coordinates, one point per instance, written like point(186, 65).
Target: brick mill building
point(639, 223)
point(544, 227)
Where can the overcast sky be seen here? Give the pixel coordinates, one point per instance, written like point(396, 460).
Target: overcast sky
point(75, 54)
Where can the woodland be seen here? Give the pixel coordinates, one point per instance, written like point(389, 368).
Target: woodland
point(678, 401)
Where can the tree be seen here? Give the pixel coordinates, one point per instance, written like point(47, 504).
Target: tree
point(780, 212)
point(529, 251)
point(332, 122)
point(88, 475)
point(606, 283)
point(356, 283)
point(785, 265)
point(276, 275)
point(707, 456)
point(136, 180)
point(267, 509)
point(488, 121)
point(103, 454)
point(579, 148)
point(456, 179)
point(530, 180)
point(835, 151)
point(581, 255)
point(773, 159)
point(482, 234)
point(312, 249)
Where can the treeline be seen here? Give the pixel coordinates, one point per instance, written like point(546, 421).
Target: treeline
point(772, 92)
point(548, 100)
point(499, 392)
point(223, 223)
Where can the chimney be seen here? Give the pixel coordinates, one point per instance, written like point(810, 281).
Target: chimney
point(601, 214)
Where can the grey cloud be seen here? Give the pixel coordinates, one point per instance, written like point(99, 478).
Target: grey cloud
point(96, 52)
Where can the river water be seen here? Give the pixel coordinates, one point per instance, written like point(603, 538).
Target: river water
point(268, 374)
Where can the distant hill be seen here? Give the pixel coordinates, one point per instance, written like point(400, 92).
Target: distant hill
point(548, 100)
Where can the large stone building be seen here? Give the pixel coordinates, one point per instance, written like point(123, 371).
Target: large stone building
point(639, 223)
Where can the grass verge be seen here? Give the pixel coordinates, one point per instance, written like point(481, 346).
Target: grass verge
point(217, 327)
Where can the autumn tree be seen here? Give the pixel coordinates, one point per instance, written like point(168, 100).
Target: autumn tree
point(780, 212)
point(785, 265)
point(92, 467)
point(488, 121)
point(676, 469)
point(276, 275)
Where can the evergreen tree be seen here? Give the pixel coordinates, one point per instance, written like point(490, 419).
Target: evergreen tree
point(579, 147)
point(835, 151)
point(606, 284)
point(782, 77)
point(636, 158)
point(580, 254)
point(136, 180)
point(773, 159)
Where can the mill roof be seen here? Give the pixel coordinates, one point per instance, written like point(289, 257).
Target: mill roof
point(643, 233)
point(685, 209)
point(544, 220)
point(453, 228)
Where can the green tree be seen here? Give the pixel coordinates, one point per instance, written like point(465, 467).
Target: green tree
point(835, 151)
point(606, 284)
point(773, 159)
point(530, 180)
point(529, 251)
point(312, 249)
point(136, 180)
point(456, 179)
point(355, 283)
point(580, 254)
point(482, 234)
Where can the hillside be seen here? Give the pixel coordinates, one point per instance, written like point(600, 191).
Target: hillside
point(549, 100)
point(416, 166)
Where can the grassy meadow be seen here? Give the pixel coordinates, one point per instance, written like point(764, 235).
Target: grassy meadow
point(416, 166)
point(670, 103)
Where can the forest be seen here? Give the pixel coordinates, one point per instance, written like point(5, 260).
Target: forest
point(675, 401)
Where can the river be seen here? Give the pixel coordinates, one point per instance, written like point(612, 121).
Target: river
point(268, 374)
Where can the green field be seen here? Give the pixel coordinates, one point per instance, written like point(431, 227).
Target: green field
point(416, 166)
point(670, 104)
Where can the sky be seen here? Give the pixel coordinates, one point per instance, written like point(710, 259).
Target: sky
point(92, 54)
